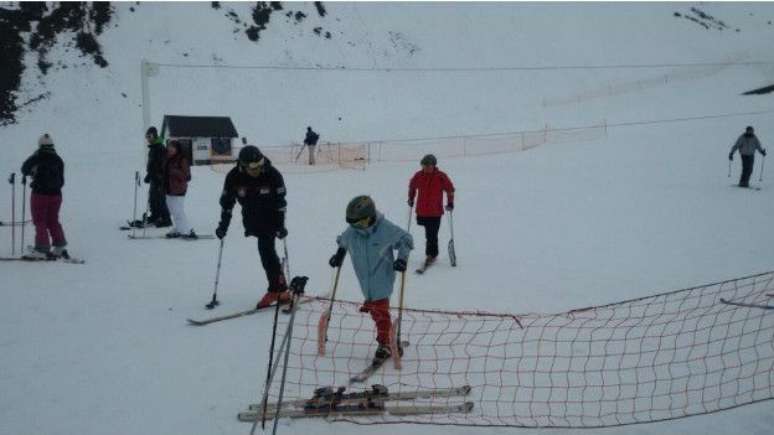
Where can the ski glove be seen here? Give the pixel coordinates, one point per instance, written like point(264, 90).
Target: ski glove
point(410, 202)
point(399, 265)
point(282, 233)
point(338, 258)
point(763, 151)
point(147, 179)
point(225, 219)
point(731, 156)
point(450, 206)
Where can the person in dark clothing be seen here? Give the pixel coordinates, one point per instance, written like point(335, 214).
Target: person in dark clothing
point(260, 190)
point(427, 186)
point(747, 144)
point(47, 171)
point(154, 176)
point(311, 141)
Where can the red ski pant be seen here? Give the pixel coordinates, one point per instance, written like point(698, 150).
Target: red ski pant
point(45, 216)
point(380, 312)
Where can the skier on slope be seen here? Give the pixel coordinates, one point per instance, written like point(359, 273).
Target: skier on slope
point(310, 141)
point(47, 171)
point(177, 174)
point(371, 240)
point(260, 190)
point(154, 177)
point(427, 186)
point(747, 144)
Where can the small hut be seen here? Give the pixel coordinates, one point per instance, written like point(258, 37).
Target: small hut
point(203, 139)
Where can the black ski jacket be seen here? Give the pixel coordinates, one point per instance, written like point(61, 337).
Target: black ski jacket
point(311, 138)
point(47, 171)
point(157, 156)
point(262, 199)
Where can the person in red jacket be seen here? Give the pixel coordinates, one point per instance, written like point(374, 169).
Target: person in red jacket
point(427, 186)
point(177, 174)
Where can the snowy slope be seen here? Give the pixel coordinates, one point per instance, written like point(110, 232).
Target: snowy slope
point(103, 347)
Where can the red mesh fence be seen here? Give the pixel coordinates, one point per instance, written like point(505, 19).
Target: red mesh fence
point(656, 358)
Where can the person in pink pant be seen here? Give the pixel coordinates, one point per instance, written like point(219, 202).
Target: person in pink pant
point(47, 171)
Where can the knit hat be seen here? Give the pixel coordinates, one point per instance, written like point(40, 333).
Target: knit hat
point(45, 141)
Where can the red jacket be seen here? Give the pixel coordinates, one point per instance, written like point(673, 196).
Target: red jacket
point(178, 174)
point(431, 187)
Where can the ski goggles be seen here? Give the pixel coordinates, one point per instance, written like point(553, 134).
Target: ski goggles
point(253, 168)
point(362, 223)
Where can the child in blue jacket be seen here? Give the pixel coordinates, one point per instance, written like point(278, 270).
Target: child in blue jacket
point(371, 240)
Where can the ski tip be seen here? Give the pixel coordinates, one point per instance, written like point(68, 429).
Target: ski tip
point(194, 322)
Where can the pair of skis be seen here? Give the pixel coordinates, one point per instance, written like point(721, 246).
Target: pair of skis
point(68, 260)
point(244, 313)
point(328, 403)
point(163, 236)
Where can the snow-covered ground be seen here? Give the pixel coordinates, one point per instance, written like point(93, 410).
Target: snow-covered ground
point(104, 348)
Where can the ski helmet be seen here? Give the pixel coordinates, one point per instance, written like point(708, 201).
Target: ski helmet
point(359, 208)
point(429, 160)
point(152, 132)
point(46, 142)
point(749, 130)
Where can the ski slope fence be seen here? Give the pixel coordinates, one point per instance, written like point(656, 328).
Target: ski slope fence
point(673, 355)
point(357, 155)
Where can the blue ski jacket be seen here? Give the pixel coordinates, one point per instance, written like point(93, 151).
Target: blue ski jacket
point(371, 250)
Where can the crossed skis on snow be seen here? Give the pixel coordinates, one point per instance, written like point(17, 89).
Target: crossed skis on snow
point(329, 402)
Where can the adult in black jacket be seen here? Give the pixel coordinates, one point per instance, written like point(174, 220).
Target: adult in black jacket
point(260, 190)
point(47, 171)
point(154, 176)
point(311, 141)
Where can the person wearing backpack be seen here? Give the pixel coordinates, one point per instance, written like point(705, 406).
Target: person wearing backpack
point(47, 171)
point(311, 141)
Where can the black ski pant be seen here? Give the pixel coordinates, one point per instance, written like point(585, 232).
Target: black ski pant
point(271, 263)
point(432, 225)
point(157, 201)
point(748, 162)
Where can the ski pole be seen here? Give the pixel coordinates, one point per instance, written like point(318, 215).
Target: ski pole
point(452, 251)
point(270, 378)
point(24, 211)
point(269, 369)
point(297, 286)
point(286, 267)
point(322, 326)
point(396, 341)
point(214, 302)
point(12, 180)
point(729, 169)
point(411, 212)
point(763, 162)
point(136, 187)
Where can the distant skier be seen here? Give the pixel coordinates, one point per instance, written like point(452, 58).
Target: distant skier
point(427, 186)
point(154, 176)
point(310, 141)
point(260, 190)
point(747, 144)
point(47, 171)
point(177, 174)
point(371, 240)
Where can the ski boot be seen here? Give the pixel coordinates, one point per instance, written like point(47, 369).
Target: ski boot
point(190, 236)
point(382, 354)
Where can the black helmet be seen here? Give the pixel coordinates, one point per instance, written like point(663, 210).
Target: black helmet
point(749, 129)
point(152, 132)
point(429, 159)
point(359, 208)
point(250, 154)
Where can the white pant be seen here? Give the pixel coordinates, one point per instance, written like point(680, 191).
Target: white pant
point(176, 206)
